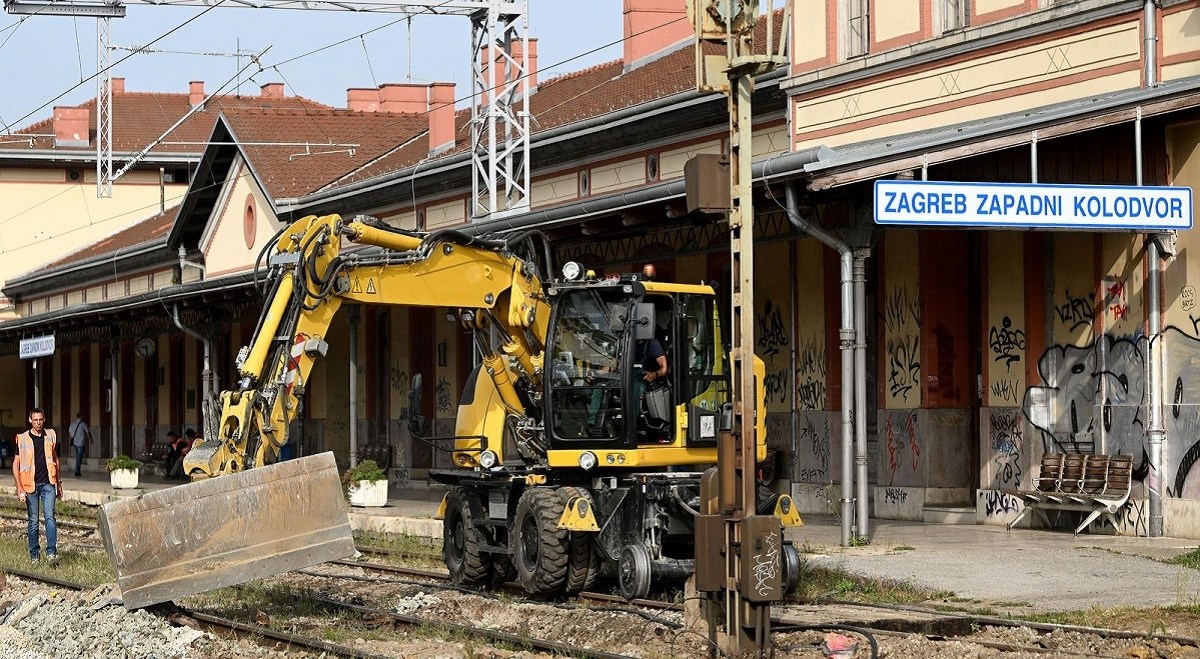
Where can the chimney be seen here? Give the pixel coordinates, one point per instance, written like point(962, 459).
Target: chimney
point(363, 99)
point(272, 90)
point(531, 69)
point(441, 117)
point(71, 126)
point(398, 97)
point(118, 85)
point(196, 93)
point(652, 25)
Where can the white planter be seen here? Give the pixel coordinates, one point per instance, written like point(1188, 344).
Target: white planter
point(124, 479)
point(368, 494)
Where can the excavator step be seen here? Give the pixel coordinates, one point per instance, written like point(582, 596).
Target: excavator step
point(227, 530)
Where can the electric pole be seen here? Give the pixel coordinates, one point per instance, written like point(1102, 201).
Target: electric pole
point(739, 554)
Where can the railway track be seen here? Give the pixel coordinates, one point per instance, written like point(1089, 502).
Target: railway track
point(790, 618)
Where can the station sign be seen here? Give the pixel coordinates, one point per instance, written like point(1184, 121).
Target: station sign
point(1033, 205)
point(39, 346)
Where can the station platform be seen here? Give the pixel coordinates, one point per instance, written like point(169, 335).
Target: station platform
point(1025, 568)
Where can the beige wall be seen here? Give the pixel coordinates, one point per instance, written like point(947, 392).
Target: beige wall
point(979, 7)
point(902, 292)
point(1122, 288)
point(1007, 329)
point(1181, 295)
point(896, 18)
point(812, 362)
point(1074, 280)
point(1178, 39)
point(224, 244)
point(773, 331)
point(618, 175)
point(446, 214)
point(555, 189)
point(809, 40)
point(909, 103)
point(35, 212)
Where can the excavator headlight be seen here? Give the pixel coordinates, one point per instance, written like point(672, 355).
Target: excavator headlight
point(487, 459)
point(572, 271)
point(587, 460)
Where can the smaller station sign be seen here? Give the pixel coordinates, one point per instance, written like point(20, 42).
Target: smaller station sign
point(1033, 205)
point(39, 346)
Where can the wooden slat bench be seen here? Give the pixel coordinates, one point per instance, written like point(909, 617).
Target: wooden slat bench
point(1095, 484)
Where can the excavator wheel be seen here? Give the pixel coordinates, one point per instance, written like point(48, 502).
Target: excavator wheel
point(503, 570)
point(462, 544)
point(583, 560)
point(539, 547)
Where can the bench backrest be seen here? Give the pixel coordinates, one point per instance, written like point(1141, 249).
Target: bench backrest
point(1051, 472)
point(1095, 474)
point(1072, 474)
point(1120, 473)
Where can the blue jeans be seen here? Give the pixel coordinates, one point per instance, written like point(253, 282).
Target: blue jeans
point(46, 494)
point(79, 459)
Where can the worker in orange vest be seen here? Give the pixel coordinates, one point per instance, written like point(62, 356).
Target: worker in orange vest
point(35, 472)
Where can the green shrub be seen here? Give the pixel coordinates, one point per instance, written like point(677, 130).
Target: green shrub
point(367, 470)
point(123, 462)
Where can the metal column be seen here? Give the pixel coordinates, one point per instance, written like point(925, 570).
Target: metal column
point(354, 385)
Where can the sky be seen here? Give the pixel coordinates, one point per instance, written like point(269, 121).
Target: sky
point(43, 59)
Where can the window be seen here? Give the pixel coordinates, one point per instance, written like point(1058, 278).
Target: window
point(954, 15)
point(859, 34)
point(585, 367)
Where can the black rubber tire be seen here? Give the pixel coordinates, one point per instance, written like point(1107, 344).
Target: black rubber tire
point(539, 547)
point(791, 569)
point(633, 572)
point(462, 542)
point(503, 570)
point(583, 559)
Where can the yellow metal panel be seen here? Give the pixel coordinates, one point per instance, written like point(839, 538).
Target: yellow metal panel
point(785, 510)
point(578, 516)
point(653, 456)
point(441, 510)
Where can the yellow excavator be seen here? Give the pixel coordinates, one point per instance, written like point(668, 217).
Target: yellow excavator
point(570, 462)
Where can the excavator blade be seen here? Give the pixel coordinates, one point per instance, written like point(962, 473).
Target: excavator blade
point(227, 530)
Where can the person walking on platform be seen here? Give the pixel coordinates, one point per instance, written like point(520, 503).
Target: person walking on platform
point(35, 472)
point(81, 437)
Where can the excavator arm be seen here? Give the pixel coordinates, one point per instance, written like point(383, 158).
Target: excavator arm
point(312, 274)
point(282, 516)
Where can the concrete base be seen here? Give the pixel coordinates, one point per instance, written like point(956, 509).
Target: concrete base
point(422, 528)
point(900, 502)
point(815, 498)
point(948, 515)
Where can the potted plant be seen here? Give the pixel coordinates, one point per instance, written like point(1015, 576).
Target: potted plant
point(366, 484)
point(123, 472)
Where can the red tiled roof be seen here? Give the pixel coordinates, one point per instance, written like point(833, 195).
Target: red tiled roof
point(139, 118)
point(143, 232)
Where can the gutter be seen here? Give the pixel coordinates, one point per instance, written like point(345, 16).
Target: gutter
point(789, 164)
point(47, 155)
point(175, 293)
point(59, 277)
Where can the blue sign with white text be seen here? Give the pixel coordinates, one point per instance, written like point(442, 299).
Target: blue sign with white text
point(1033, 205)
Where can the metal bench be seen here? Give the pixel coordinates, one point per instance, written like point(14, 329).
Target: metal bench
point(380, 453)
point(1095, 484)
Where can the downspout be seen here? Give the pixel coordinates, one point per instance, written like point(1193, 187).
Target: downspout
point(846, 340)
point(353, 385)
point(1156, 432)
point(860, 390)
point(206, 421)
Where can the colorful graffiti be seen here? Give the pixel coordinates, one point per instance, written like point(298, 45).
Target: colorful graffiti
point(1006, 442)
point(1092, 398)
point(903, 446)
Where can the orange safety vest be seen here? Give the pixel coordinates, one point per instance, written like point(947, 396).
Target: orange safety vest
point(24, 461)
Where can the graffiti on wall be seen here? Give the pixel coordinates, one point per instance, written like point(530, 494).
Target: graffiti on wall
point(1006, 442)
point(895, 495)
point(1006, 390)
point(902, 320)
point(996, 503)
point(1093, 397)
point(772, 341)
point(903, 446)
point(1007, 342)
point(813, 441)
point(810, 374)
point(1116, 302)
point(445, 398)
point(1075, 311)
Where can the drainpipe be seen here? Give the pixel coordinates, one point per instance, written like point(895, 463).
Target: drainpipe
point(860, 389)
point(114, 356)
point(353, 386)
point(1156, 432)
point(846, 339)
point(206, 376)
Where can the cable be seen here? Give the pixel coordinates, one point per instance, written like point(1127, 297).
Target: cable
point(861, 631)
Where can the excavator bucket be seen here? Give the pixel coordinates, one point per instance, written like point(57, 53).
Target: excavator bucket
point(228, 530)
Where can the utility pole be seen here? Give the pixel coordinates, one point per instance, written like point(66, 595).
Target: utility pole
point(739, 554)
